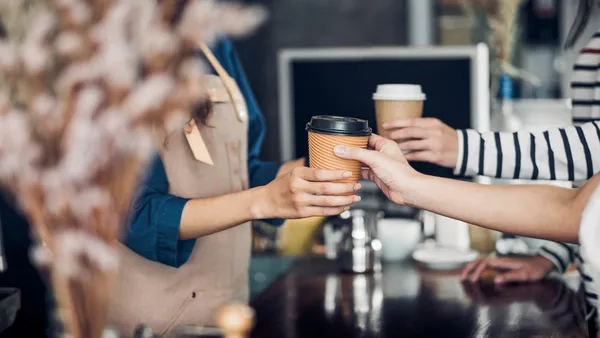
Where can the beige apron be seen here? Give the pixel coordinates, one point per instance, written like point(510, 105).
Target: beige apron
point(162, 297)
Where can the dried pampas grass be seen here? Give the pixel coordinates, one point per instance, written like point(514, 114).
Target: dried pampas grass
point(84, 83)
point(501, 17)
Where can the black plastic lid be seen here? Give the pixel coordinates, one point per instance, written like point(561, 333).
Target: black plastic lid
point(338, 125)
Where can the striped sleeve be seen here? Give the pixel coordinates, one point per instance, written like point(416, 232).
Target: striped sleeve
point(560, 254)
point(565, 154)
point(585, 89)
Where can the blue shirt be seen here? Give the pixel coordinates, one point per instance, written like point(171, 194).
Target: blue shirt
point(153, 229)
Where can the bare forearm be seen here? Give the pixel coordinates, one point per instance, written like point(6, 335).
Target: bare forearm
point(206, 216)
point(301, 193)
point(534, 210)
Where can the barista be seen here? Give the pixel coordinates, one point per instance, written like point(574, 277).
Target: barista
point(188, 242)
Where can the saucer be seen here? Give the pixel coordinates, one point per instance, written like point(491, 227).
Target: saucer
point(444, 258)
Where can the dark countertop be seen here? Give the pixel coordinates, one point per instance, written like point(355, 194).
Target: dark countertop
point(314, 300)
point(265, 269)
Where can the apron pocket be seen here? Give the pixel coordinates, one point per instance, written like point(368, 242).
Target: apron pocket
point(143, 295)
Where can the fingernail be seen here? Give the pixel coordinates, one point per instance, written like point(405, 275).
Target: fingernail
point(357, 187)
point(498, 280)
point(357, 199)
point(346, 208)
point(340, 150)
point(386, 125)
point(347, 174)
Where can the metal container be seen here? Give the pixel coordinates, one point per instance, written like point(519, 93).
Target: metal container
point(351, 239)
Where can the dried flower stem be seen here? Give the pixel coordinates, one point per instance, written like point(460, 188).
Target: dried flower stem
point(84, 83)
point(501, 16)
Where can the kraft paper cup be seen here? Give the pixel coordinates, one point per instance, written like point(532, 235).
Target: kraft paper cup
point(327, 132)
point(394, 102)
point(321, 155)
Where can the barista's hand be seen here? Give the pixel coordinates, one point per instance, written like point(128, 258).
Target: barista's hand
point(513, 269)
point(428, 139)
point(387, 167)
point(307, 192)
point(289, 166)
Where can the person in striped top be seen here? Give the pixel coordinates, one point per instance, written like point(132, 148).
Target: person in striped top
point(567, 154)
point(540, 211)
point(553, 213)
point(571, 153)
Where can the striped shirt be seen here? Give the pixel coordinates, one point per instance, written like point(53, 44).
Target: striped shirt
point(568, 154)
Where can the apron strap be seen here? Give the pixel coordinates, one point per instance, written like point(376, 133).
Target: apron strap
point(232, 88)
point(213, 61)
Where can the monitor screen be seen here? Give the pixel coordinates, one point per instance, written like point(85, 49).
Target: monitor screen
point(344, 87)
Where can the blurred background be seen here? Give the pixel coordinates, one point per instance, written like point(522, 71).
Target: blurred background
point(326, 57)
point(543, 26)
point(333, 28)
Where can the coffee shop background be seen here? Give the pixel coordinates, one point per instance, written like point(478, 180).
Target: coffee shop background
point(317, 24)
point(377, 23)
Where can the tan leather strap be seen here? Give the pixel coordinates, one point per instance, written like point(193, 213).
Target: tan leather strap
point(232, 88)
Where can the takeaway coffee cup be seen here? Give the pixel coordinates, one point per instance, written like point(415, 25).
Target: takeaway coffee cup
point(325, 132)
point(397, 101)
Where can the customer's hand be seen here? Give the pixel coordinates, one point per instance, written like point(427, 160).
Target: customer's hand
point(427, 139)
point(387, 167)
point(306, 192)
point(512, 269)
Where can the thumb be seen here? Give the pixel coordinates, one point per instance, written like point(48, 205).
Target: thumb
point(369, 157)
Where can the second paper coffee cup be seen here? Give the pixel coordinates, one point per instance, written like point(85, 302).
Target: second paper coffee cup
point(397, 101)
point(325, 132)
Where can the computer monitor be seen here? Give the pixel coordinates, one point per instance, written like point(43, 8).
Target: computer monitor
point(341, 81)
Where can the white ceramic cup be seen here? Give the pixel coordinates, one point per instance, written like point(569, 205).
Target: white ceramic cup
point(399, 237)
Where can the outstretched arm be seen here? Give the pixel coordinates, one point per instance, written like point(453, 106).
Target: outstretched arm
point(529, 210)
point(162, 227)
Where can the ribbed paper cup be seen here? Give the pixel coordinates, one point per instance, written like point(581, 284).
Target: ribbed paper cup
point(321, 155)
point(327, 132)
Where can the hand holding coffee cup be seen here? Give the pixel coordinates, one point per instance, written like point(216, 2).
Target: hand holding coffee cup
point(326, 132)
point(397, 102)
point(425, 140)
